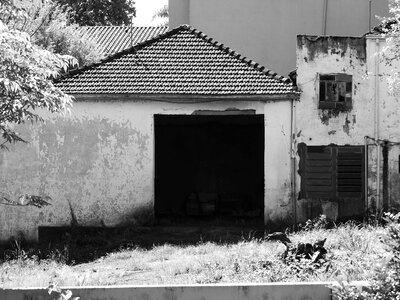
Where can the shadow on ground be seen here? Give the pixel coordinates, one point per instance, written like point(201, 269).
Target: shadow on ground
point(75, 245)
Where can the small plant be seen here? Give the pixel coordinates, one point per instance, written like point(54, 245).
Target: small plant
point(27, 200)
point(60, 294)
point(16, 250)
point(391, 217)
point(320, 222)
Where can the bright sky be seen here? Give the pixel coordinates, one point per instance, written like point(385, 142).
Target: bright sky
point(145, 9)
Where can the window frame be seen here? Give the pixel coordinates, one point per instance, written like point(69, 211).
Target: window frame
point(337, 79)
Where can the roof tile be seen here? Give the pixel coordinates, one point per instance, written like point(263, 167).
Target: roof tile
point(112, 39)
point(180, 61)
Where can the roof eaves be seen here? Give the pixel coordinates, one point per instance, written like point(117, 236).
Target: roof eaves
point(186, 98)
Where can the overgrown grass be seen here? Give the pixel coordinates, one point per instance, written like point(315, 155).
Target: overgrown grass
point(353, 253)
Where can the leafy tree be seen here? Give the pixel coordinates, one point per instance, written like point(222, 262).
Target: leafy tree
point(391, 52)
point(26, 72)
point(49, 26)
point(100, 12)
point(163, 14)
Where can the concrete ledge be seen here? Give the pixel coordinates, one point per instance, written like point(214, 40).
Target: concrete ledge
point(266, 291)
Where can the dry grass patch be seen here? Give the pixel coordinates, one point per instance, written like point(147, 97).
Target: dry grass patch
point(353, 253)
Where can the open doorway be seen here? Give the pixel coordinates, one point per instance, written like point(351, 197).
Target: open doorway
point(209, 167)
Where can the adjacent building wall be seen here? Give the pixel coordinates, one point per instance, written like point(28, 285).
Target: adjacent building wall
point(354, 56)
point(265, 30)
point(388, 124)
point(97, 164)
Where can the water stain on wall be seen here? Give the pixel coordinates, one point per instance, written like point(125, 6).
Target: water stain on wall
point(317, 45)
point(346, 127)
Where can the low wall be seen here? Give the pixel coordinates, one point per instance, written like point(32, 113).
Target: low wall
point(268, 291)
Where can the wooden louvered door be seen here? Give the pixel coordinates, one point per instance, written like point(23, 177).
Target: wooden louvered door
point(318, 173)
point(350, 180)
point(334, 173)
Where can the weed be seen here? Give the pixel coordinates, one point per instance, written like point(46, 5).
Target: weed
point(320, 222)
point(385, 284)
point(16, 251)
point(59, 293)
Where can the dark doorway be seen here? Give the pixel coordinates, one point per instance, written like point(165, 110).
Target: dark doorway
point(209, 167)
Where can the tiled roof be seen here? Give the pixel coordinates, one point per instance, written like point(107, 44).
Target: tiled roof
point(181, 61)
point(112, 39)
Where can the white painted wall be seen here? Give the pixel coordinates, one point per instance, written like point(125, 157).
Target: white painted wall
point(100, 161)
point(277, 163)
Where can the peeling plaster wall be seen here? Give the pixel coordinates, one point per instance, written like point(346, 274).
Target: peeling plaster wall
point(97, 164)
point(354, 56)
point(332, 55)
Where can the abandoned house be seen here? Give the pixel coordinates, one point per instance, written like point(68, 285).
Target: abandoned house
point(347, 127)
point(176, 126)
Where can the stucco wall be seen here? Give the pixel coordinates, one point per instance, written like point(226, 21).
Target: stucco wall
point(265, 30)
point(97, 164)
point(277, 291)
point(324, 55)
point(277, 205)
point(354, 56)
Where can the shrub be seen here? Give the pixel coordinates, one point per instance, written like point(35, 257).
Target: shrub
point(386, 282)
